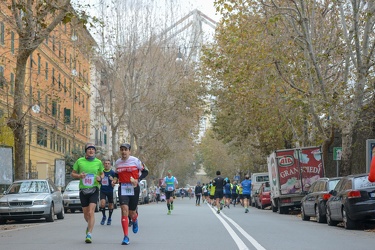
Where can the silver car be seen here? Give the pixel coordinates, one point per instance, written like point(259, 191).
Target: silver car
point(31, 199)
point(71, 198)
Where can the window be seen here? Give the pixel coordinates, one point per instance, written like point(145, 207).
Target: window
point(46, 41)
point(67, 117)
point(39, 64)
point(2, 79)
point(39, 97)
point(53, 43)
point(2, 33)
point(52, 141)
point(41, 136)
point(46, 70)
point(65, 86)
point(53, 76)
point(105, 139)
point(64, 55)
point(59, 81)
point(12, 42)
point(54, 108)
point(11, 83)
point(46, 105)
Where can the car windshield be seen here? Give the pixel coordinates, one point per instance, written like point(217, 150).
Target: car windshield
point(29, 187)
point(267, 189)
point(362, 182)
point(72, 186)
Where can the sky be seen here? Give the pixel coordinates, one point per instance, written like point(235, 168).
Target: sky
point(180, 9)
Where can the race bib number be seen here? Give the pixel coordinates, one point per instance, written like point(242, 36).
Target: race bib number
point(89, 180)
point(127, 189)
point(170, 188)
point(105, 181)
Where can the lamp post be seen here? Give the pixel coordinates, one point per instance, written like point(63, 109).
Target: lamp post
point(74, 38)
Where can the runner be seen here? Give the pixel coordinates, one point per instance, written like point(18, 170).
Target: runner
point(89, 170)
point(219, 183)
point(246, 185)
point(234, 193)
point(129, 170)
point(227, 192)
point(170, 183)
point(205, 193)
point(106, 192)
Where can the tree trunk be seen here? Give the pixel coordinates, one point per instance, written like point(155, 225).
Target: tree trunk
point(16, 122)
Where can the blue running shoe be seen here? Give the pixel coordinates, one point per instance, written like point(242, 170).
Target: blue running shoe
point(109, 221)
point(88, 238)
point(135, 226)
point(103, 220)
point(125, 241)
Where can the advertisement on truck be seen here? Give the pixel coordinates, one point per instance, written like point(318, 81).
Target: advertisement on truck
point(292, 171)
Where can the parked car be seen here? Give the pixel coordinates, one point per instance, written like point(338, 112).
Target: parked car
point(71, 198)
point(31, 199)
point(353, 200)
point(257, 179)
point(263, 196)
point(313, 204)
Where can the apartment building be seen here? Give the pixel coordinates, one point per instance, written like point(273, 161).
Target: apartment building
point(57, 92)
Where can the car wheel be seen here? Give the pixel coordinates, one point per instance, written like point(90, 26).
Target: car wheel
point(348, 223)
point(319, 217)
point(51, 216)
point(65, 210)
point(72, 211)
point(303, 215)
point(274, 209)
point(61, 215)
point(2, 221)
point(330, 222)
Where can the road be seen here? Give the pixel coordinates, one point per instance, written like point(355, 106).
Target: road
point(188, 227)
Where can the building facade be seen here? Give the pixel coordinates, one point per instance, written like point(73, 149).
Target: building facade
point(57, 92)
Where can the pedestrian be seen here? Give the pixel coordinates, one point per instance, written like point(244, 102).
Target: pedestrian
point(89, 171)
point(157, 192)
point(246, 191)
point(182, 193)
point(198, 193)
point(170, 183)
point(129, 170)
point(218, 183)
point(106, 192)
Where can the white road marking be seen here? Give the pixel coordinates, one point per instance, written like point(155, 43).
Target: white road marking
point(237, 240)
point(241, 245)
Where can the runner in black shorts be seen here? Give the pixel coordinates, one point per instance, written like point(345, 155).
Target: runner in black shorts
point(170, 183)
point(219, 183)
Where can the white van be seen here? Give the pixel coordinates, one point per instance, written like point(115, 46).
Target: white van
point(257, 179)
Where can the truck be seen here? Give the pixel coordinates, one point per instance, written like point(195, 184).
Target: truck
point(291, 173)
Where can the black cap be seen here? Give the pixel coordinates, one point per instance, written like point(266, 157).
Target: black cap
point(125, 145)
point(90, 145)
